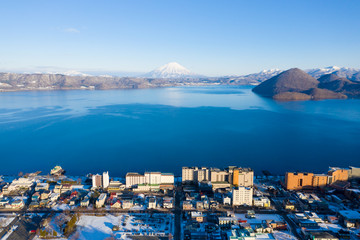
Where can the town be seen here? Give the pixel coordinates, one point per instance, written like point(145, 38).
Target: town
point(202, 203)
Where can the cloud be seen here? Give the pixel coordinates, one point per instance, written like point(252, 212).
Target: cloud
point(71, 30)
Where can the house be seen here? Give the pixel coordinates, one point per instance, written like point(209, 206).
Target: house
point(198, 216)
point(54, 196)
point(227, 221)
point(168, 202)
point(45, 194)
point(349, 218)
point(35, 197)
point(57, 188)
point(126, 204)
point(18, 204)
point(85, 202)
point(227, 200)
point(42, 186)
point(262, 202)
point(187, 205)
point(152, 203)
point(116, 204)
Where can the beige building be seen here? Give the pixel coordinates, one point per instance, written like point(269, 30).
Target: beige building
point(188, 174)
point(218, 175)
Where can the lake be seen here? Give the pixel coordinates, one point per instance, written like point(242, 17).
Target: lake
point(167, 128)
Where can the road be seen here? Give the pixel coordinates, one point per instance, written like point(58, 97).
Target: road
point(178, 213)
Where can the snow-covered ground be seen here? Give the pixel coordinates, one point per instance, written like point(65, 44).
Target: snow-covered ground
point(61, 207)
point(5, 220)
point(101, 227)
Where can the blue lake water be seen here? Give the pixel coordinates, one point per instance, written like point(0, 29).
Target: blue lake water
point(167, 128)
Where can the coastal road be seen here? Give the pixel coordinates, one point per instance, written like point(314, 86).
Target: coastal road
point(177, 213)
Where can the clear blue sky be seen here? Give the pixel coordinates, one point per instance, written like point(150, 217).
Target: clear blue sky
point(207, 37)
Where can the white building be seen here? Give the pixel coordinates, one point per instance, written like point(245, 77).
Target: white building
point(105, 179)
point(21, 183)
point(262, 202)
point(242, 196)
point(167, 178)
point(101, 200)
point(149, 178)
point(152, 203)
point(133, 179)
point(153, 177)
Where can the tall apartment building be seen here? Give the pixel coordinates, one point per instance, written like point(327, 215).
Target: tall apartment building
point(155, 178)
point(188, 174)
point(297, 181)
point(242, 196)
point(218, 175)
point(133, 179)
point(105, 179)
point(100, 181)
point(243, 177)
point(203, 174)
point(152, 177)
point(96, 181)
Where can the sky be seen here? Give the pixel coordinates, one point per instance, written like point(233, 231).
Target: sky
point(212, 38)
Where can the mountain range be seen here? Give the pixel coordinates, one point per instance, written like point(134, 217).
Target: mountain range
point(171, 74)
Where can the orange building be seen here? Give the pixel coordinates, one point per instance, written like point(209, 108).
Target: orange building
point(320, 180)
point(337, 174)
point(296, 181)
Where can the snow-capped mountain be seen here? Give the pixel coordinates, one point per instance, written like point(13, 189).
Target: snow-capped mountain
point(67, 73)
point(171, 70)
point(339, 71)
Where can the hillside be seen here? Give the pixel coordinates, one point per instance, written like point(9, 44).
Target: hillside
point(295, 84)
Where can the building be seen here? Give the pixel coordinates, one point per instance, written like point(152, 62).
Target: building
point(96, 181)
point(354, 172)
point(337, 174)
point(149, 178)
point(21, 183)
point(321, 235)
point(242, 196)
point(218, 175)
point(152, 203)
point(349, 218)
point(152, 177)
point(319, 180)
point(133, 179)
point(243, 177)
point(105, 179)
point(167, 178)
point(262, 202)
point(168, 202)
point(203, 174)
point(188, 174)
point(101, 200)
point(298, 181)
